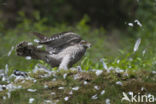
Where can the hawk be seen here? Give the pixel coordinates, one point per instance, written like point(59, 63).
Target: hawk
point(62, 49)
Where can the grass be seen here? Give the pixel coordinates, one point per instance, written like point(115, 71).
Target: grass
point(44, 86)
point(111, 46)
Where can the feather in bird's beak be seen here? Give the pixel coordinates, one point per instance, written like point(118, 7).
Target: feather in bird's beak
point(88, 45)
point(85, 43)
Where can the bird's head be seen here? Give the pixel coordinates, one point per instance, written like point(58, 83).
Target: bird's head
point(85, 44)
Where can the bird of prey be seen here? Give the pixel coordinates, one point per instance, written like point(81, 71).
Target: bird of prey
point(62, 49)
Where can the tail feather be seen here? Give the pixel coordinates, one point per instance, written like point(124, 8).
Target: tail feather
point(24, 49)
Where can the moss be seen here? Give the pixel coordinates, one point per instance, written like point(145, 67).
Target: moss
point(105, 81)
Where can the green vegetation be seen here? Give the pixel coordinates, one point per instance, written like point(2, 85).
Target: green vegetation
point(112, 48)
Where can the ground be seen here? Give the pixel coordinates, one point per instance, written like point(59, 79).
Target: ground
point(42, 86)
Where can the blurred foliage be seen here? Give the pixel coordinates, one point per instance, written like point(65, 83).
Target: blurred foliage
point(108, 13)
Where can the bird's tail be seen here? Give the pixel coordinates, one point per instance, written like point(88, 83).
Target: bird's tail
point(25, 49)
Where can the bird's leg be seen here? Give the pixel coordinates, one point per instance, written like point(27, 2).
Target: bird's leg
point(64, 63)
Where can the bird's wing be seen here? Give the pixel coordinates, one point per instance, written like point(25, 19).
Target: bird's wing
point(61, 39)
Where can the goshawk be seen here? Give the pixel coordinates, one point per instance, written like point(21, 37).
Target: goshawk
point(62, 50)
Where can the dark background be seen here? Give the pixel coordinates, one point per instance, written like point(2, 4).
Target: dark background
point(107, 13)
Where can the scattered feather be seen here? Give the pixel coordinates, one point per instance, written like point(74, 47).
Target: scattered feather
point(130, 93)
point(96, 87)
point(142, 88)
point(118, 70)
point(36, 40)
point(18, 78)
point(137, 43)
point(94, 97)
point(66, 98)
point(125, 73)
point(102, 92)
point(149, 95)
point(45, 86)
point(4, 97)
point(130, 24)
point(53, 93)
point(1, 89)
point(9, 95)
point(79, 68)
point(31, 90)
point(31, 100)
point(138, 22)
point(118, 61)
point(28, 57)
point(48, 101)
point(35, 81)
point(65, 75)
point(75, 88)
point(107, 101)
point(40, 46)
point(54, 79)
point(61, 88)
point(12, 48)
point(4, 78)
point(76, 76)
point(6, 69)
point(85, 82)
point(11, 87)
point(104, 64)
point(29, 43)
point(98, 72)
point(154, 72)
point(119, 83)
point(71, 92)
point(143, 52)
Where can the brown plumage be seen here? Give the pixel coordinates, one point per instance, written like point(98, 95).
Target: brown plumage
point(62, 50)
